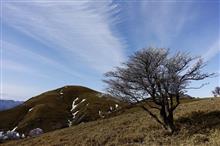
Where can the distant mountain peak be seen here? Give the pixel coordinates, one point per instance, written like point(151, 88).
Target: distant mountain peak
point(7, 104)
point(59, 108)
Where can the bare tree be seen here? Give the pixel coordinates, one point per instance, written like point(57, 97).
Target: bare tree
point(216, 92)
point(154, 76)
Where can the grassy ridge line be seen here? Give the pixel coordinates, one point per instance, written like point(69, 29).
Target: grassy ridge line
point(51, 110)
point(198, 123)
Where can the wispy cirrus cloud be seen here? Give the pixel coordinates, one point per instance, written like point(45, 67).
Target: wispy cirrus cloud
point(166, 20)
point(21, 59)
point(81, 31)
point(212, 51)
point(75, 42)
point(159, 23)
point(80, 38)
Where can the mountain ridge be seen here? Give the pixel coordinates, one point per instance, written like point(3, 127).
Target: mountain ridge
point(198, 124)
point(59, 108)
point(7, 104)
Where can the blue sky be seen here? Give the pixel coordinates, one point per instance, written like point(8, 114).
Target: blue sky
point(49, 44)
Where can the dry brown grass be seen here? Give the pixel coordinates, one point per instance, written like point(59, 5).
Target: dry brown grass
point(198, 123)
point(51, 110)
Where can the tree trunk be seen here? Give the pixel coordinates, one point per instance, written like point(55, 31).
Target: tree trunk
point(167, 118)
point(170, 124)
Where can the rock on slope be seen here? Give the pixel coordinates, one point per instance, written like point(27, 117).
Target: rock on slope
point(59, 108)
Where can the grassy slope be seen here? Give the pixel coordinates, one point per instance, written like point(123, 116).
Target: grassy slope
point(198, 123)
point(51, 110)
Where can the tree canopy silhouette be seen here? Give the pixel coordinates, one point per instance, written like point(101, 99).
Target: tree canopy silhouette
point(216, 92)
point(154, 75)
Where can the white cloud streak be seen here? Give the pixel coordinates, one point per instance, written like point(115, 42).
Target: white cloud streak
point(30, 56)
point(212, 51)
point(81, 31)
point(166, 20)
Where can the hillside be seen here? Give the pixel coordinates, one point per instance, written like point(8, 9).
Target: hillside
point(7, 104)
point(198, 122)
point(58, 108)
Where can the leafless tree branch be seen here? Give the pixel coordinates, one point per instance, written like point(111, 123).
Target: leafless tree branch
point(154, 72)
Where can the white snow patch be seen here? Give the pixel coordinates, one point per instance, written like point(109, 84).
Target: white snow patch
point(14, 129)
point(100, 114)
point(101, 94)
point(73, 104)
point(111, 108)
point(74, 114)
point(69, 123)
point(61, 92)
point(22, 136)
point(116, 105)
point(30, 109)
point(1, 133)
point(83, 100)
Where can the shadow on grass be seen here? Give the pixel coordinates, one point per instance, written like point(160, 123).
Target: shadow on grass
point(200, 122)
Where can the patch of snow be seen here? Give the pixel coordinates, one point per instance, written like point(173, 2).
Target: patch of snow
point(101, 94)
point(73, 104)
point(116, 105)
point(14, 129)
point(61, 92)
point(30, 109)
point(100, 114)
point(23, 136)
point(12, 135)
point(1, 136)
point(1, 133)
point(9, 135)
point(83, 100)
point(69, 123)
point(5, 137)
point(111, 108)
point(74, 114)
